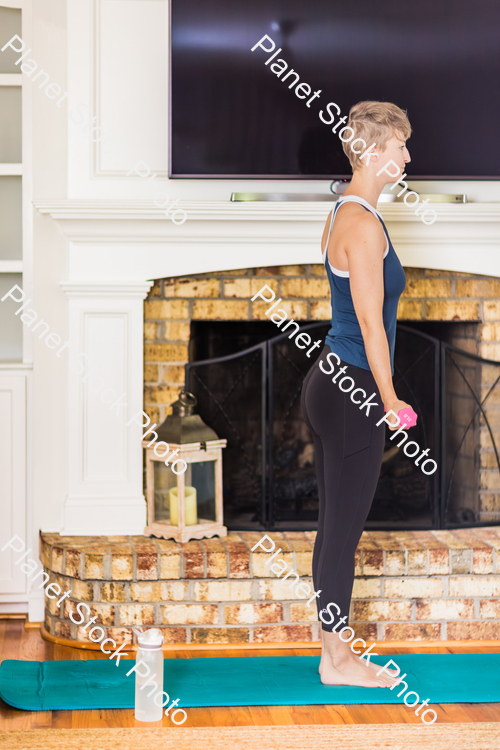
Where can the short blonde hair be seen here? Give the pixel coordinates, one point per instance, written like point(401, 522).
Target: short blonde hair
point(375, 122)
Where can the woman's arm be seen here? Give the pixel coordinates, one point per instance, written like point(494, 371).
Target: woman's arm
point(365, 249)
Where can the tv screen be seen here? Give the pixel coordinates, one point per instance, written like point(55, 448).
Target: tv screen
point(237, 113)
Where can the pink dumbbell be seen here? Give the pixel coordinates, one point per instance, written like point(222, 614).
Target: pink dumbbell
point(407, 416)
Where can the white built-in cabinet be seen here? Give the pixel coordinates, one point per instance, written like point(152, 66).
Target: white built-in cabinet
point(12, 480)
point(15, 268)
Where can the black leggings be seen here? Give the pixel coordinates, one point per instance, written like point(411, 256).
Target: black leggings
point(348, 450)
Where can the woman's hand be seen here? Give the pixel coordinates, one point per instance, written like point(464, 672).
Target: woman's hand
point(396, 405)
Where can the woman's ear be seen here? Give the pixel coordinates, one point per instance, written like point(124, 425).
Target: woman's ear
point(371, 155)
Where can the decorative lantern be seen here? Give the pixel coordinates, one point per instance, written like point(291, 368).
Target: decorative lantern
point(184, 494)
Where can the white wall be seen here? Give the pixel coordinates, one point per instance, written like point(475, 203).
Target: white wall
point(129, 60)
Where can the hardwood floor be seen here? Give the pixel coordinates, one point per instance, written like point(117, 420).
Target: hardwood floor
point(16, 642)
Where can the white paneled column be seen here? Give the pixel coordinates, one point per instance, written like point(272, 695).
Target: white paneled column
point(105, 390)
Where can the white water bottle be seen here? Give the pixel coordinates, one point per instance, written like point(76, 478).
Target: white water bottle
point(149, 675)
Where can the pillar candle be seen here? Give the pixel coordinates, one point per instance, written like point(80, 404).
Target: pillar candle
point(190, 512)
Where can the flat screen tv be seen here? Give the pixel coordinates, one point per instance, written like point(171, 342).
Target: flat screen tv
point(236, 113)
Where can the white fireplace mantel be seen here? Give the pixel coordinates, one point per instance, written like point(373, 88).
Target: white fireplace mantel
point(117, 247)
point(133, 240)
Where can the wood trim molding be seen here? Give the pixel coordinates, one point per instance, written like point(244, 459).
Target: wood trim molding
point(302, 645)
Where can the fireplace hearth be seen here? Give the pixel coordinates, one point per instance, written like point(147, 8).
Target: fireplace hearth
point(248, 382)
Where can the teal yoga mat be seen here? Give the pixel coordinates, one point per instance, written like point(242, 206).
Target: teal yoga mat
point(244, 681)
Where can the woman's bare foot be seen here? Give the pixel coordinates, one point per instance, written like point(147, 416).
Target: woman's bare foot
point(351, 671)
point(374, 667)
point(342, 667)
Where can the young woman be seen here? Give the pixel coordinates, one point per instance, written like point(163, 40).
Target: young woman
point(366, 281)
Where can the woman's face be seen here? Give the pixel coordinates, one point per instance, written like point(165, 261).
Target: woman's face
point(397, 151)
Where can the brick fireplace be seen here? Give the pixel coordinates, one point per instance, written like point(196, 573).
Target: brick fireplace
point(424, 585)
point(437, 585)
point(173, 304)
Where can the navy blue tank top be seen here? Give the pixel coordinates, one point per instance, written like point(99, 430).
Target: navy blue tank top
point(345, 337)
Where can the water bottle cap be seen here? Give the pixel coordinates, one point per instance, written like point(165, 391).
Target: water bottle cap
point(151, 639)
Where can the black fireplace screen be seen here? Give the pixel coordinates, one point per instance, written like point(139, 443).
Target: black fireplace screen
point(252, 398)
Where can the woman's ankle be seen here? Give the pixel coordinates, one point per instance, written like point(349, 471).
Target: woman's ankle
point(335, 646)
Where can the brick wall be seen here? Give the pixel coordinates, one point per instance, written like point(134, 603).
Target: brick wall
point(429, 296)
point(423, 585)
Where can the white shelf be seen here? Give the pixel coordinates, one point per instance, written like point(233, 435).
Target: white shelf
point(10, 169)
point(11, 79)
point(11, 266)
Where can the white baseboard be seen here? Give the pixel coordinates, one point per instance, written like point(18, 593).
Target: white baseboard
point(13, 608)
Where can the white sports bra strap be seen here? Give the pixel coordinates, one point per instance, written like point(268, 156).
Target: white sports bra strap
point(357, 199)
point(329, 231)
